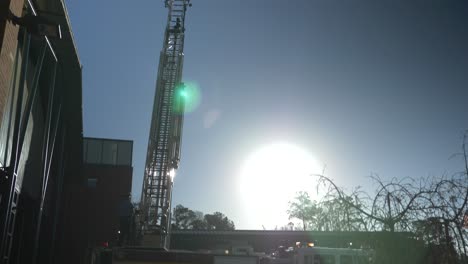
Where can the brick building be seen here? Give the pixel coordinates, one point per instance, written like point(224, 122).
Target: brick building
point(108, 171)
point(40, 133)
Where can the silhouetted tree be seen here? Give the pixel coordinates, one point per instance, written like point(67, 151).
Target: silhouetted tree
point(304, 209)
point(199, 224)
point(218, 221)
point(187, 219)
point(183, 218)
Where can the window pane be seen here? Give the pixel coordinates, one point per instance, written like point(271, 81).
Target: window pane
point(94, 151)
point(85, 149)
point(109, 155)
point(92, 183)
point(125, 154)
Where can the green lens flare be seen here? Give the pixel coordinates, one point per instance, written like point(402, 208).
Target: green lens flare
point(187, 97)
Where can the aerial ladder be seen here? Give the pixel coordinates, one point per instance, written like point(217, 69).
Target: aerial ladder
point(163, 153)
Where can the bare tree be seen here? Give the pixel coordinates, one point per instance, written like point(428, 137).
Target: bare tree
point(435, 209)
point(389, 209)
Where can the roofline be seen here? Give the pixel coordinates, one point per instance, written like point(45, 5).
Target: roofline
point(276, 232)
point(67, 17)
point(108, 139)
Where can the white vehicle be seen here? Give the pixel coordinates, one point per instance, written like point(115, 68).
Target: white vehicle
point(319, 255)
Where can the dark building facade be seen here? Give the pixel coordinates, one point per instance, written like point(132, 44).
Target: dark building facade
point(40, 131)
point(108, 171)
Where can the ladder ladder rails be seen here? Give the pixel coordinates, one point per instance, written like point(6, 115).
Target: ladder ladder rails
point(163, 153)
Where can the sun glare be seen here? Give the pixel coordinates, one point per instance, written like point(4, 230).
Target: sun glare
point(270, 178)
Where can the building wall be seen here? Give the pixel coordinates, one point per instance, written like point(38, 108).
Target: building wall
point(61, 171)
point(90, 206)
point(8, 44)
point(108, 172)
point(112, 185)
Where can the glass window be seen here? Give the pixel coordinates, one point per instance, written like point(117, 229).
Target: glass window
point(109, 152)
point(125, 153)
point(92, 183)
point(85, 149)
point(6, 129)
point(94, 151)
point(4, 150)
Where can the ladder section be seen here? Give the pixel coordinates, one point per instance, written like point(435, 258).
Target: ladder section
point(163, 153)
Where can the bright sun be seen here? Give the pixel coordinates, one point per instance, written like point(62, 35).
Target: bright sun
point(270, 178)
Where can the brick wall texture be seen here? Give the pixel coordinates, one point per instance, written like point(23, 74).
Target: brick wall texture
point(8, 44)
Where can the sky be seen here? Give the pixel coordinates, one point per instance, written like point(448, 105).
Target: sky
point(362, 87)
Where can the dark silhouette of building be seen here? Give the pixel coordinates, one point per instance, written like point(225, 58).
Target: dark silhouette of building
point(108, 171)
point(40, 132)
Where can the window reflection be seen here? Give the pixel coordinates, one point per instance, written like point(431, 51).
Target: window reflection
point(107, 152)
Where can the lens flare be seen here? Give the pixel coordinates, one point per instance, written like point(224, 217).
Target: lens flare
point(270, 178)
point(187, 97)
